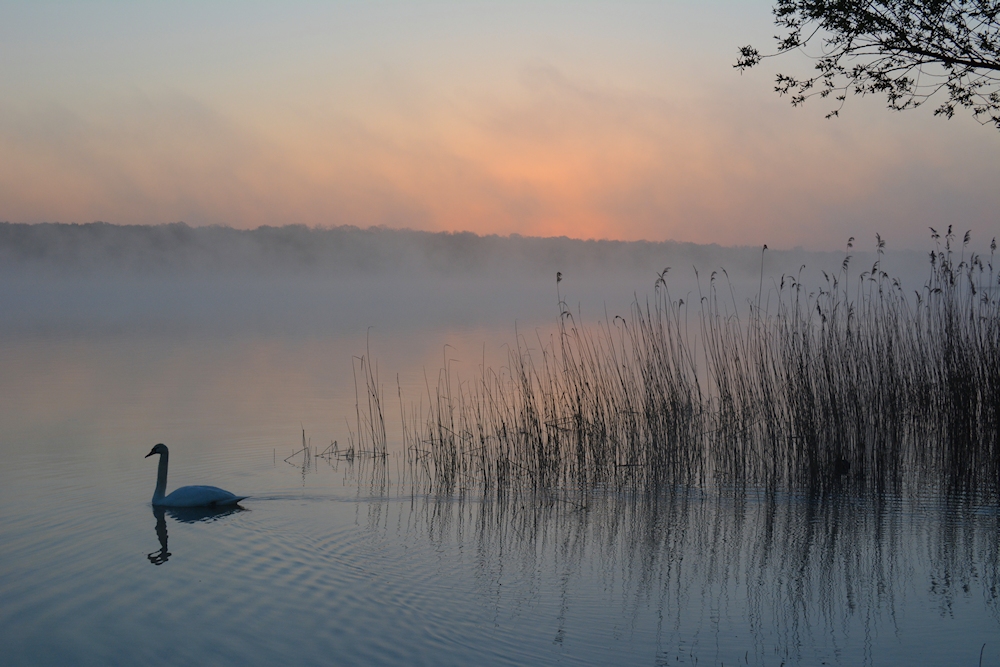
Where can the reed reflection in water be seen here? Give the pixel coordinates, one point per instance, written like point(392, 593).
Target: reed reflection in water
point(737, 576)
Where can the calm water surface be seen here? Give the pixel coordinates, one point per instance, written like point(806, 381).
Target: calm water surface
point(332, 562)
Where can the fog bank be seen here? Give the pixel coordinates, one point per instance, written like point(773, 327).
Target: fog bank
point(99, 277)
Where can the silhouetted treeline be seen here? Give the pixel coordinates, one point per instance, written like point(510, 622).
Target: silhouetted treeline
point(100, 247)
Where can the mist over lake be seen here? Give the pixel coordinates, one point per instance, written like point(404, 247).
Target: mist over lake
point(395, 536)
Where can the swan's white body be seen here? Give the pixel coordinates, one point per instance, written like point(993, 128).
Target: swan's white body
point(186, 496)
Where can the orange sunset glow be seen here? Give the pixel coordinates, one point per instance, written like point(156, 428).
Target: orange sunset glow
point(622, 122)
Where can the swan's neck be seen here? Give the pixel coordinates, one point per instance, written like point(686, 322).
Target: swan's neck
point(161, 478)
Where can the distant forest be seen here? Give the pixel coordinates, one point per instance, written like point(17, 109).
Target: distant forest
point(100, 247)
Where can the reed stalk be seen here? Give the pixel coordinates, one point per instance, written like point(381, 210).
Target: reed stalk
point(854, 384)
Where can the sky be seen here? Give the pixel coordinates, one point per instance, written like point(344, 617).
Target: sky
point(609, 120)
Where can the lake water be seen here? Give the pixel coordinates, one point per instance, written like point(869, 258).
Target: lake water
point(339, 562)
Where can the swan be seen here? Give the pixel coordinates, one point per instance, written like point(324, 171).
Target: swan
point(186, 496)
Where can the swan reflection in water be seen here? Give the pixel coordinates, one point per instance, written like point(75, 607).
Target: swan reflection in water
point(184, 515)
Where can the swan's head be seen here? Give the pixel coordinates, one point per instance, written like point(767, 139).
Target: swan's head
point(158, 449)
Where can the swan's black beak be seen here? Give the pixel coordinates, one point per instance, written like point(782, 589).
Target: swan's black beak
point(150, 454)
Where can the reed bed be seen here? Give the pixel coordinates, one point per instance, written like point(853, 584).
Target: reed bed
point(857, 383)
